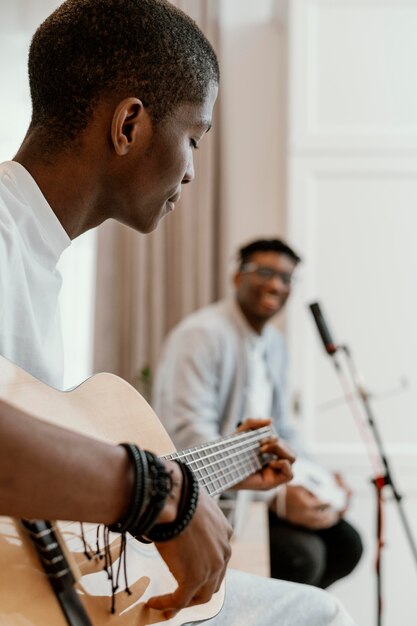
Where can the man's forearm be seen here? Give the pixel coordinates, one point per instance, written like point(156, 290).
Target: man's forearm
point(49, 472)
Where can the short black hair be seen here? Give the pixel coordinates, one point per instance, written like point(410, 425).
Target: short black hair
point(266, 245)
point(92, 49)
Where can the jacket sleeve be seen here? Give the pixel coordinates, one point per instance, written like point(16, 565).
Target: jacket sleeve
point(186, 385)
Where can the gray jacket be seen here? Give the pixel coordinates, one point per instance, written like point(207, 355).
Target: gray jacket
point(201, 382)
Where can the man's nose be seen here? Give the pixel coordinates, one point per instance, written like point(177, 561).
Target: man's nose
point(189, 172)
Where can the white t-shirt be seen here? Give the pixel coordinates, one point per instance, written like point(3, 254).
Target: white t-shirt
point(260, 391)
point(31, 242)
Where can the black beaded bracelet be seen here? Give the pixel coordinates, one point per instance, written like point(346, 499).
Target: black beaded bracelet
point(151, 486)
point(186, 509)
point(160, 486)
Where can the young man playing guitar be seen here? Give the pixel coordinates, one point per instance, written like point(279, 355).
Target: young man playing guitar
point(122, 92)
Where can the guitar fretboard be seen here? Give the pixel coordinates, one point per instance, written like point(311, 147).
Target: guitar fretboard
point(221, 464)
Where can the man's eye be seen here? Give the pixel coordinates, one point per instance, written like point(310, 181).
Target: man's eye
point(265, 272)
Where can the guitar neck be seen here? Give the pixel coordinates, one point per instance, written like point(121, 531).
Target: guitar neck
point(221, 464)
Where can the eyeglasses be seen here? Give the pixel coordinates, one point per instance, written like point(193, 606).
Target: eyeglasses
point(265, 273)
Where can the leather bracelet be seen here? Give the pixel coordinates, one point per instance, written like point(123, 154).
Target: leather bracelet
point(186, 509)
point(160, 486)
point(151, 486)
point(140, 479)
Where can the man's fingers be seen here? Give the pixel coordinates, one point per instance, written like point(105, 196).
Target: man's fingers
point(174, 602)
point(273, 445)
point(171, 601)
point(253, 423)
point(204, 595)
point(282, 466)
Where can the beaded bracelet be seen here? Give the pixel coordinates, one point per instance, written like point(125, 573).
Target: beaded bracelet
point(186, 509)
point(139, 464)
point(160, 486)
point(151, 486)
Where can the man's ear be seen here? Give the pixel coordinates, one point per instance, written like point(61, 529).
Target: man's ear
point(236, 279)
point(130, 124)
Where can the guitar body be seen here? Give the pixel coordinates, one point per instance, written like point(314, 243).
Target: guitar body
point(104, 407)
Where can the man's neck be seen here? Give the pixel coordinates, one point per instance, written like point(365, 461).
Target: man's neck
point(67, 184)
point(256, 324)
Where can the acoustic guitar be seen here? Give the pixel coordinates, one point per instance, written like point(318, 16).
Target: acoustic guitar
point(50, 575)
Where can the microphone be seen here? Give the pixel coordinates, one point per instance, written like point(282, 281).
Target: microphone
point(329, 344)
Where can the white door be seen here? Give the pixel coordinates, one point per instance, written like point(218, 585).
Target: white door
point(352, 214)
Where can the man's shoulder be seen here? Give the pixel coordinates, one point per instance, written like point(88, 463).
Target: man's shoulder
point(4, 190)
point(11, 198)
point(8, 227)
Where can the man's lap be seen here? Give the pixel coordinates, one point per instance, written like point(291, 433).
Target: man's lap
point(253, 601)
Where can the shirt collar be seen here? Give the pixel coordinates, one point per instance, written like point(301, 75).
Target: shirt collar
point(29, 193)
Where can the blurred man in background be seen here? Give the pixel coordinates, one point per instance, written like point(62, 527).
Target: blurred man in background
point(227, 362)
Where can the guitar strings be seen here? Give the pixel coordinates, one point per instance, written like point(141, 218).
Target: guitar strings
point(224, 443)
point(217, 456)
point(233, 473)
point(210, 452)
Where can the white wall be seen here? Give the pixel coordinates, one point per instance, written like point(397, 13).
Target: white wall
point(352, 211)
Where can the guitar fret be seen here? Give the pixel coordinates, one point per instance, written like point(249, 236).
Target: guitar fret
point(221, 464)
point(199, 468)
point(231, 465)
point(235, 474)
point(240, 468)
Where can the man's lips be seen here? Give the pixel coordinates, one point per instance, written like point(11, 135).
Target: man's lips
point(270, 301)
point(174, 199)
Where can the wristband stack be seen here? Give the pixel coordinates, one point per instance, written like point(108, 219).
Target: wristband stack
point(151, 488)
point(186, 509)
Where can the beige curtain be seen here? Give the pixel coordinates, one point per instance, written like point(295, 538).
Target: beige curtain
point(146, 284)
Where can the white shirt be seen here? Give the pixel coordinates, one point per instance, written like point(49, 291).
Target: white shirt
point(259, 404)
point(260, 391)
point(31, 241)
point(259, 395)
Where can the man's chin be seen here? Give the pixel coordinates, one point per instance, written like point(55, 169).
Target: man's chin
point(267, 313)
point(148, 227)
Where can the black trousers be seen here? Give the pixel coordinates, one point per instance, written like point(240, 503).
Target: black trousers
point(314, 557)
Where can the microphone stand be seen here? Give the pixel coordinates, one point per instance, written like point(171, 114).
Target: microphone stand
point(382, 481)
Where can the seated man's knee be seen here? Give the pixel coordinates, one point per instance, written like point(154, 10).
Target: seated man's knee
point(354, 549)
point(302, 561)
